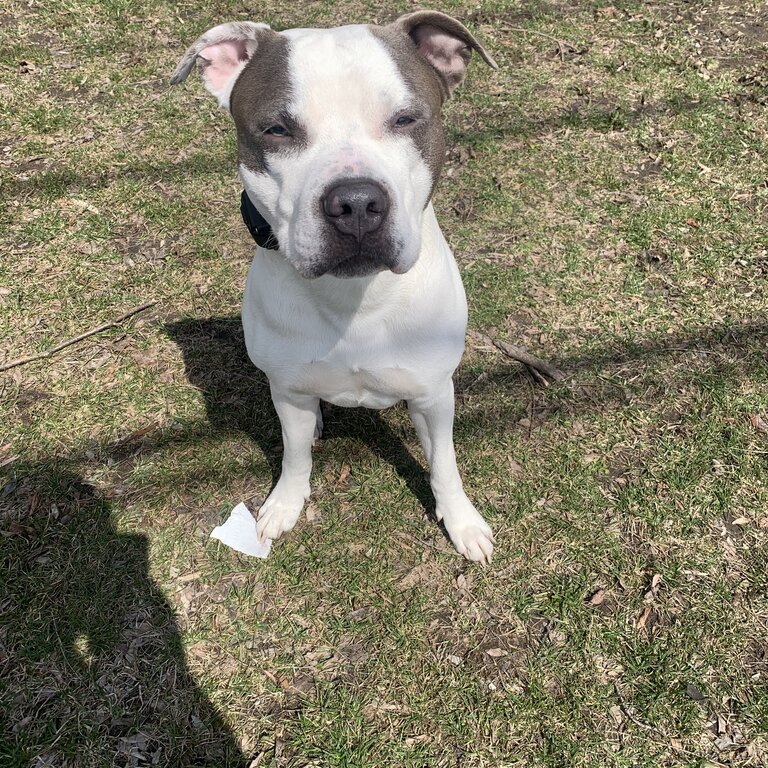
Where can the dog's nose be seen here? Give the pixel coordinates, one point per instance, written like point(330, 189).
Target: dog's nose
point(356, 207)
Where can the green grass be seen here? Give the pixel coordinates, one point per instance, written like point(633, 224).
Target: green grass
point(607, 209)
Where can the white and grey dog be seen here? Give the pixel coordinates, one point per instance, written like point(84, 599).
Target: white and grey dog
point(340, 146)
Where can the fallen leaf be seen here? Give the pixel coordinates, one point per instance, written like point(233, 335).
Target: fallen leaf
point(136, 434)
point(84, 205)
point(724, 743)
point(320, 655)
point(496, 653)
point(597, 598)
point(301, 684)
point(641, 622)
point(694, 693)
point(17, 529)
point(359, 614)
point(187, 596)
point(414, 576)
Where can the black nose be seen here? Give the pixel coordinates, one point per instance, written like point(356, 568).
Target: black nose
point(356, 207)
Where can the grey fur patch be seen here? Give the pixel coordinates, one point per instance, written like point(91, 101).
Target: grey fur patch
point(260, 98)
point(425, 84)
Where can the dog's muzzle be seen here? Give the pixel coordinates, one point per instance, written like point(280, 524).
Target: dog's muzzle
point(358, 237)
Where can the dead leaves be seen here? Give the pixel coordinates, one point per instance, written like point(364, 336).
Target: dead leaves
point(759, 423)
point(195, 596)
point(417, 575)
point(651, 618)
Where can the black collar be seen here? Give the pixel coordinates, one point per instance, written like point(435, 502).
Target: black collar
point(257, 225)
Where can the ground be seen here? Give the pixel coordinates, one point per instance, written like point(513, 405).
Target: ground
point(606, 196)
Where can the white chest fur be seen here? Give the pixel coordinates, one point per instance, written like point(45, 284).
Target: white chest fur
point(366, 341)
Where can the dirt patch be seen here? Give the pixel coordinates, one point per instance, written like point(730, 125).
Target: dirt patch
point(137, 244)
point(733, 35)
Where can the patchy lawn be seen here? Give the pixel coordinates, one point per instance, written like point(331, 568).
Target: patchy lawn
point(606, 195)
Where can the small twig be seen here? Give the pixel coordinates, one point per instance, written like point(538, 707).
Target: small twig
point(76, 339)
point(519, 354)
point(628, 712)
point(560, 43)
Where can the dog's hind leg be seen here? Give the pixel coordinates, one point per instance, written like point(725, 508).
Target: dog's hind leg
point(318, 425)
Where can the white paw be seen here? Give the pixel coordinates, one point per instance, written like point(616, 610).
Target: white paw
point(278, 514)
point(474, 542)
point(469, 533)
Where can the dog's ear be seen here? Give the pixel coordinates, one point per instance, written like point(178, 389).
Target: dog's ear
point(445, 43)
point(221, 54)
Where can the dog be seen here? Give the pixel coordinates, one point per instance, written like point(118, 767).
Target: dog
point(353, 296)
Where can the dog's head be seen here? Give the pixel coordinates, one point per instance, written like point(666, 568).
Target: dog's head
point(339, 137)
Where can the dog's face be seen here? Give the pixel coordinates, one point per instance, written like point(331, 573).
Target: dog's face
point(339, 137)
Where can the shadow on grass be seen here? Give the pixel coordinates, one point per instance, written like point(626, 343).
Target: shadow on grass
point(90, 654)
point(237, 398)
point(747, 341)
point(61, 179)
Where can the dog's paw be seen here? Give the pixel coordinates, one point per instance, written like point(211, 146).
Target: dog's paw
point(474, 542)
point(469, 533)
point(278, 515)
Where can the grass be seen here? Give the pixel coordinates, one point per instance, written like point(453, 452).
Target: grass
point(607, 207)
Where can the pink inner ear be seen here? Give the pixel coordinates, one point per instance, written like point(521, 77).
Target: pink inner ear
point(444, 52)
point(224, 58)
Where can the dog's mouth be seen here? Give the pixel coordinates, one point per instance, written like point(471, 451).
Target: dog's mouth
point(365, 259)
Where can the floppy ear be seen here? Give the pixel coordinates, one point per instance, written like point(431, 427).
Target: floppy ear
point(221, 55)
point(445, 43)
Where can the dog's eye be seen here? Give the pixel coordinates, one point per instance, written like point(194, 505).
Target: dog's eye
point(404, 121)
point(278, 130)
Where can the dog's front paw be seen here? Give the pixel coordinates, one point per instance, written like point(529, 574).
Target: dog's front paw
point(279, 514)
point(474, 542)
point(469, 533)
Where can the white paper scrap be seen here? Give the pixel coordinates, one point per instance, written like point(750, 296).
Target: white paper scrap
point(239, 533)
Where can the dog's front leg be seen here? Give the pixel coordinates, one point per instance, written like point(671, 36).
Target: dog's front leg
point(298, 419)
point(433, 419)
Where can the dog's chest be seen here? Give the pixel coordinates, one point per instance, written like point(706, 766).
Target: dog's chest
point(369, 342)
point(370, 384)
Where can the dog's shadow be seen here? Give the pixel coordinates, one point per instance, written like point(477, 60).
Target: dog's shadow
point(237, 399)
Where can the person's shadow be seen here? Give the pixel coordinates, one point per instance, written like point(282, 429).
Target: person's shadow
point(91, 661)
